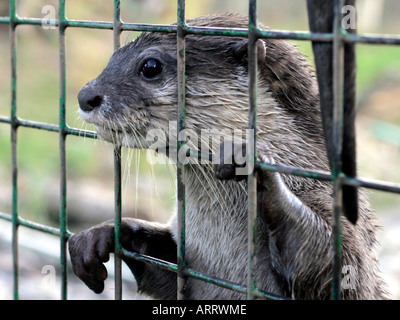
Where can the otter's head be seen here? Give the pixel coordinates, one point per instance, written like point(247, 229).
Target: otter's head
point(137, 91)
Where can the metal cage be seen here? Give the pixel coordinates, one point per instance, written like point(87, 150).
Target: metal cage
point(339, 37)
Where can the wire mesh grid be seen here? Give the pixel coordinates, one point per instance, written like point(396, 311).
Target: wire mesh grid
point(338, 37)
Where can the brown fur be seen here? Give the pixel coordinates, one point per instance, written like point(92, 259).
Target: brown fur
point(295, 248)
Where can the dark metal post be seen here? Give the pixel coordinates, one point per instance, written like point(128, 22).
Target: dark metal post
point(117, 176)
point(338, 84)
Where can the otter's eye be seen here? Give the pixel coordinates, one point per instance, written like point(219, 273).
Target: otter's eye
point(151, 68)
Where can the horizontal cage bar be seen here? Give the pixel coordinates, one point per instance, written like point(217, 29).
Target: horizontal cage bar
point(383, 39)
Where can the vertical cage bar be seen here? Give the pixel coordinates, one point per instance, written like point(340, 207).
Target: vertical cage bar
point(181, 280)
point(117, 224)
point(14, 155)
point(338, 87)
point(252, 182)
point(117, 175)
point(62, 146)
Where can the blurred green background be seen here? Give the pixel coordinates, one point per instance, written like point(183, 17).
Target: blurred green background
point(149, 191)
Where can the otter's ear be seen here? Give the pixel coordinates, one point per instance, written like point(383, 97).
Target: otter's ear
point(240, 51)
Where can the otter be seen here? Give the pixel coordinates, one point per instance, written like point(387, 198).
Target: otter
point(137, 91)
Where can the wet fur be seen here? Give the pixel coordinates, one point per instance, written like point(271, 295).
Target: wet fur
point(295, 250)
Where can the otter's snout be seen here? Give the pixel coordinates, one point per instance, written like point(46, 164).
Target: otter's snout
point(89, 99)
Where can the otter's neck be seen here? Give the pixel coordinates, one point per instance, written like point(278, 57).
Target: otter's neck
point(208, 196)
point(216, 224)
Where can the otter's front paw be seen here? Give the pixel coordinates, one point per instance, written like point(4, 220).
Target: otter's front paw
point(89, 250)
point(233, 162)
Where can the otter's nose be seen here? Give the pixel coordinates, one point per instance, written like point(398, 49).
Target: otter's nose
point(89, 99)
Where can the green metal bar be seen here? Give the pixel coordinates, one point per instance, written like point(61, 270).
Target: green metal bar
point(62, 147)
point(38, 125)
point(231, 285)
point(384, 186)
point(141, 27)
point(6, 216)
point(81, 133)
point(338, 87)
point(117, 175)
point(90, 24)
point(293, 171)
point(215, 31)
point(117, 224)
point(382, 39)
point(40, 227)
point(4, 119)
point(270, 296)
point(181, 281)
point(14, 149)
point(50, 127)
point(148, 259)
point(197, 275)
point(33, 225)
point(252, 179)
